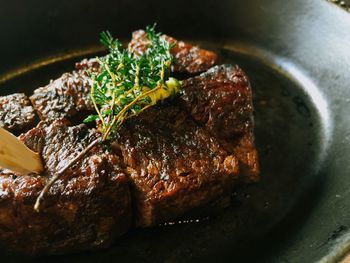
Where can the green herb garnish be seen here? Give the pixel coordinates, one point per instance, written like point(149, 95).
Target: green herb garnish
point(126, 85)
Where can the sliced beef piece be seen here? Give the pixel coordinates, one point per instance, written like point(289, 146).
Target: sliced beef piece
point(174, 164)
point(221, 100)
point(67, 97)
point(85, 209)
point(188, 58)
point(16, 113)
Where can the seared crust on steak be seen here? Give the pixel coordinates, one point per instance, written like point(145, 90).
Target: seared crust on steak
point(174, 164)
point(221, 100)
point(67, 97)
point(85, 209)
point(193, 151)
point(16, 113)
point(188, 58)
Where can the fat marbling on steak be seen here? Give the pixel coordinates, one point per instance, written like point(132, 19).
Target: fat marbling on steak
point(85, 209)
point(16, 113)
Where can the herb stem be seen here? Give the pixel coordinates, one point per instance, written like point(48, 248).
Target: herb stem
point(127, 107)
point(47, 187)
point(95, 106)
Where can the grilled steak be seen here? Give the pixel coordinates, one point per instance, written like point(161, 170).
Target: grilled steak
point(190, 153)
point(221, 100)
point(174, 164)
point(188, 58)
point(85, 209)
point(175, 157)
point(64, 98)
point(16, 113)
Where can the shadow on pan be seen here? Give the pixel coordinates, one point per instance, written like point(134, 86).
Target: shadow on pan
point(293, 213)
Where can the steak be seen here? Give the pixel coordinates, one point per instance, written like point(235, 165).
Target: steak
point(85, 209)
point(67, 97)
point(178, 156)
point(193, 151)
point(188, 58)
point(174, 165)
point(221, 100)
point(16, 113)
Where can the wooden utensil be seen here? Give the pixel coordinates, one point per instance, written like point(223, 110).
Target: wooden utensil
point(16, 156)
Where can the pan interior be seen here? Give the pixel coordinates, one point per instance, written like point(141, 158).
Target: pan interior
point(291, 128)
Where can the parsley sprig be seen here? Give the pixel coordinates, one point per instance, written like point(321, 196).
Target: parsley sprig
point(125, 85)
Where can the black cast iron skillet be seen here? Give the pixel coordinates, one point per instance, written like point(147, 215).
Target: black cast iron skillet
point(297, 55)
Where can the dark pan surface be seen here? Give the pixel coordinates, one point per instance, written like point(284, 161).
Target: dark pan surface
point(295, 55)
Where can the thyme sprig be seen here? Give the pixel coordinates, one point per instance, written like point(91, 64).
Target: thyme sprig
point(126, 85)
point(129, 83)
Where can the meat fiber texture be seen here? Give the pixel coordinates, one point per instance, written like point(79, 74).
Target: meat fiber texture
point(181, 155)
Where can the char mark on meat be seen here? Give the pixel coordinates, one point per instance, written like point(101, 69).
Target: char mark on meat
point(85, 209)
